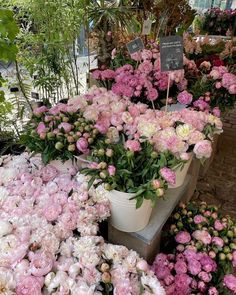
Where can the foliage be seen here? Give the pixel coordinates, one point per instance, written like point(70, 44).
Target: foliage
point(135, 171)
point(48, 44)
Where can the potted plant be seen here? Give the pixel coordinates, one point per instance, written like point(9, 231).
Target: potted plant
point(135, 176)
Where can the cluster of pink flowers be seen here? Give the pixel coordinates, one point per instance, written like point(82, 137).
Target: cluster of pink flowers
point(146, 80)
point(174, 131)
point(40, 210)
point(224, 79)
point(186, 272)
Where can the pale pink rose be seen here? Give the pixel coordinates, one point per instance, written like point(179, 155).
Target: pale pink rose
point(65, 126)
point(168, 175)
point(41, 263)
point(230, 282)
point(82, 145)
point(28, 285)
point(111, 170)
point(133, 145)
point(203, 149)
point(203, 236)
point(183, 237)
point(185, 97)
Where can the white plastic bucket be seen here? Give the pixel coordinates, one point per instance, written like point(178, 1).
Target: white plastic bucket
point(181, 173)
point(124, 215)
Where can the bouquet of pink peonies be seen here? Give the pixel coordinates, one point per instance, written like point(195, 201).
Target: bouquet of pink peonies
point(204, 252)
point(59, 132)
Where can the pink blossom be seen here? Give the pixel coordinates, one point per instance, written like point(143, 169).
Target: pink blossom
point(234, 259)
point(82, 145)
point(185, 97)
point(213, 291)
point(168, 175)
point(146, 54)
point(204, 276)
point(40, 263)
point(180, 267)
point(183, 237)
point(28, 285)
point(96, 74)
point(218, 242)
point(41, 128)
point(40, 110)
point(208, 264)
point(48, 173)
point(199, 219)
point(202, 286)
point(201, 105)
point(218, 225)
point(111, 170)
point(133, 145)
point(52, 211)
point(152, 94)
point(216, 112)
point(230, 282)
point(203, 236)
point(194, 267)
point(65, 126)
point(203, 149)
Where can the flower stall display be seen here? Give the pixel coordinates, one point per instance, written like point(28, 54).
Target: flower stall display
point(48, 236)
point(219, 22)
point(203, 254)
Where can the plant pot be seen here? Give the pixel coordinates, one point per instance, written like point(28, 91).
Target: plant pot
point(181, 173)
point(124, 215)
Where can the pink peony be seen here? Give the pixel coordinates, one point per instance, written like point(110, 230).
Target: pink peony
point(218, 242)
point(185, 97)
point(111, 170)
point(65, 126)
point(218, 225)
point(203, 236)
point(202, 286)
point(48, 173)
point(152, 94)
point(216, 112)
point(194, 267)
point(208, 264)
point(213, 291)
point(41, 129)
point(52, 211)
point(183, 237)
point(82, 145)
point(230, 282)
point(38, 111)
point(203, 149)
point(168, 175)
point(28, 286)
point(199, 219)
point(204, 276)
point(41, 263)
point(180, 267)
point(133, 145)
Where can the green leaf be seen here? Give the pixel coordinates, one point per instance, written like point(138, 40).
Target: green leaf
point(91, 181)
point(139, 202)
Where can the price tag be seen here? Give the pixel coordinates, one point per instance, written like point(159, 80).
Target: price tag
point(135, 45)
point(147, 25)
point(171, 49)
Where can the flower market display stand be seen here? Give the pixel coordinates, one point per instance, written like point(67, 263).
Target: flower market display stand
point(147, 241)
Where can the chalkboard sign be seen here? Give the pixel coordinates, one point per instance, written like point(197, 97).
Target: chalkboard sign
point(171, 49)
point(135, 45)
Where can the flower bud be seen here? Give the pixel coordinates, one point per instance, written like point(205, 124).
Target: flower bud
point(65, 119)
point(229, 256)
point(109, 152)
point(154, 155)
point(107, 141)
point(50, 135)
point(59, 146)
point(142, 265)
point(222, 256)
point(103, 174)
point(106, 277)
point(156, 183)
point(107, 186)
point(102, 165)
point(230, 234)
point(90, 140)
point(232, 246)
point(159, 192)
point(71, 147)
point(226, 249)
point(70, 139)
point(101, 152)
point(105, 267)
point(180, 224)
point(177, 216)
